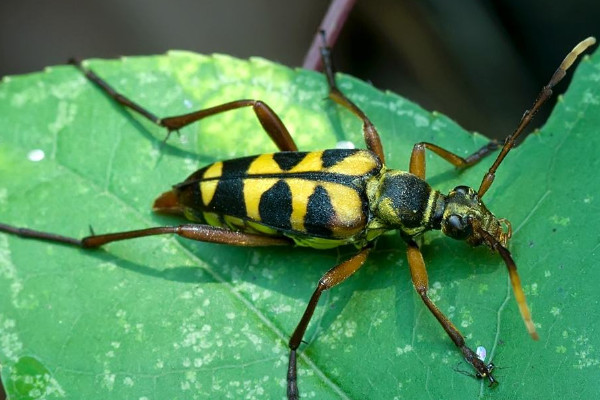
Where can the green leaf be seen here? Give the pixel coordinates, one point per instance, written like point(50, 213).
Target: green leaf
point(166, 318)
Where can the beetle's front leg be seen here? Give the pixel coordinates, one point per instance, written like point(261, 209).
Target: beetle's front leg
point(417, 157)
point(420, 281)
point(334, 276)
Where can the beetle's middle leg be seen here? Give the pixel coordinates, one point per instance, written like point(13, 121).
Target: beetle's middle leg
point(372, 136)
point(269, 120)
point(370, 133)
point(420, 281)
point(333, 277)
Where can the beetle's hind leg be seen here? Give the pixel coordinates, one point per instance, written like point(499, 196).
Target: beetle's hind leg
point(370, 133)
point(269, 120)
point(199, 232)
point(333, 277)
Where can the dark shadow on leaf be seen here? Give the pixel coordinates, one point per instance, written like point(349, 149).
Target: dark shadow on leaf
point(332, 110)
point(153, 134)
point(184, 274)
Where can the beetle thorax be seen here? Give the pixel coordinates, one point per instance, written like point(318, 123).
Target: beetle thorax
point(403, 201)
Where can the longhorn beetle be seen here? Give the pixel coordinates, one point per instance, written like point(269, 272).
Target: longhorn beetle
point(324, 199)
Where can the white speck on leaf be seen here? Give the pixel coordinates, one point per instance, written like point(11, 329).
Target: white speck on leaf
point(345, 144)
point(481, 353)
point(36, 155)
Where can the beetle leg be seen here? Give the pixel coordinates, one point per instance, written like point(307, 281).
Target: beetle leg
point(269, 120)
point(417, 157)
point(420, 281)
point(199, 232)
point(334, 276)
point(370, 133)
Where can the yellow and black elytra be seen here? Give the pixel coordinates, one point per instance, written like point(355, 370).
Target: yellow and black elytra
point(329, 198)
point(320, 197)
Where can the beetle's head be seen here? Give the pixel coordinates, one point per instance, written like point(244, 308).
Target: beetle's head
point(467, 218)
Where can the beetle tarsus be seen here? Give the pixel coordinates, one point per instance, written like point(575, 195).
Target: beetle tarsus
point(292, 379)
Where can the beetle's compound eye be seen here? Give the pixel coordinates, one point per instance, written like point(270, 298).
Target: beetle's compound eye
point(457, 227)
point(462, 190)
point(466, 192)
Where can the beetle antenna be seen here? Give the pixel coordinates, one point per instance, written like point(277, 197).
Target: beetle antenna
point(514, 280)
point(518, 290)
point(544, 95)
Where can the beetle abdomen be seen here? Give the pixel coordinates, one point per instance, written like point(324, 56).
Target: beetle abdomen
point(298, 194)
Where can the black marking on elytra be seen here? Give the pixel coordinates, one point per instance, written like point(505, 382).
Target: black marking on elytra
point(334, 156)
point(275, 206)
point(238, 167)
point(319, 213)
point(229, 198)
point(235, 168)
point(288, 159)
